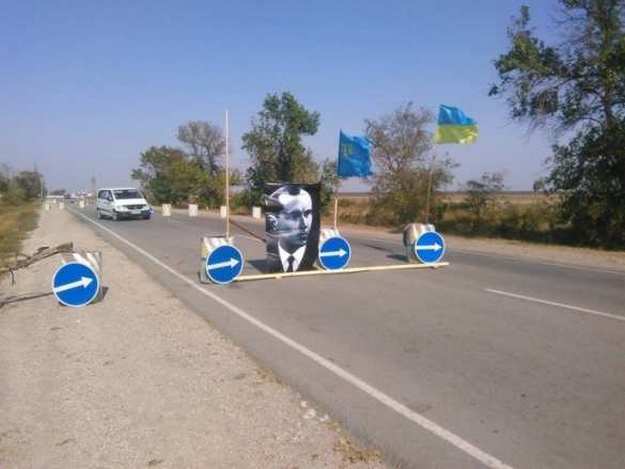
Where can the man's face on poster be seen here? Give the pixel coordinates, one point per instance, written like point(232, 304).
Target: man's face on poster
point(294, 221)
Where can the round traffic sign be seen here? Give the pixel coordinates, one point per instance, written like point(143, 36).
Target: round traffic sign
point(75, 284)
point(224, 264)
point(335, 253)
point(429, 247)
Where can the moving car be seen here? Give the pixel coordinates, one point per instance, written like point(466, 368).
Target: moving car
point(122, 202)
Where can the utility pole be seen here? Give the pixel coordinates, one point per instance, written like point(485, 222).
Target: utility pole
point(93, 187)
point(227, 178)
point(40, 177)
point(428, 195)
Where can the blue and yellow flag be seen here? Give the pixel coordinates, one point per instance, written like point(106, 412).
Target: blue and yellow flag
point(454, 126)
point(354, 156)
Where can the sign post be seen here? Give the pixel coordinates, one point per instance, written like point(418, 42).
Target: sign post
point(227, 177)
point(224, 264)
point(75, 284)
point(335, 251)
point(429, 247)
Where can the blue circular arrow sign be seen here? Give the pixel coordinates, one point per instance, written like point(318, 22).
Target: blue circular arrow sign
point(335, 253)
point(429, 247)
point(75, 284)
point(224, 264)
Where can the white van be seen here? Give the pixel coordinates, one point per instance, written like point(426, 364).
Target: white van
point(122, 202)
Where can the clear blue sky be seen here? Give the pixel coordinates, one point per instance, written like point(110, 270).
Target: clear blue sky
point(85, 86)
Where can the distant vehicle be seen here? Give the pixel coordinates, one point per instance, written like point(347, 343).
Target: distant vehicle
point(122, 202)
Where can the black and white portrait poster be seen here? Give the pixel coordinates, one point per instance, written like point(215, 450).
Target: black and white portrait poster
point(292, 226)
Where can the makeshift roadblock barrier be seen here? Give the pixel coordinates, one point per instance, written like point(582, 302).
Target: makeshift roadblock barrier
point(335, 251)
point(412, 232)
point(93, 261)
point(193, 210)
point(222, 262)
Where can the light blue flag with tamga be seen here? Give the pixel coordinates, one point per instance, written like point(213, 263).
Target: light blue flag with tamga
point(354, 156)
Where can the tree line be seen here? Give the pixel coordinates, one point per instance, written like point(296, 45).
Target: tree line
point(23, 186)
point(575, 89)
point(194, 171)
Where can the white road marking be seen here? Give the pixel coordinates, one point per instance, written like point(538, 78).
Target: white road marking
point(434, 428)
point(534, 261)
point(559, 305)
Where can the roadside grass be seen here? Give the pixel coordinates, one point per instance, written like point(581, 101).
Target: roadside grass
point(15, 223)
point(523, 217)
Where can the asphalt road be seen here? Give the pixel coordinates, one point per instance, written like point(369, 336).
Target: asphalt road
point(490, 362)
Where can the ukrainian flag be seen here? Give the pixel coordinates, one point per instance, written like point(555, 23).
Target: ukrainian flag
point(454, 126)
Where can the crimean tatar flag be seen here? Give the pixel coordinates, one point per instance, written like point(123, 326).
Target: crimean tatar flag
point(354, 156)
point(454, 126)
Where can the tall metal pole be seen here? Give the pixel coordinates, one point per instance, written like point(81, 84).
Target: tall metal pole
point(429, 192)
point(227, 178)
point(336, 207)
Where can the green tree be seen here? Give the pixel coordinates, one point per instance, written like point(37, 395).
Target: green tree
point(274, 143)
point(402, 152)
point(576, 88)
point(30, 183)
point(329, 183)
point(481, 195)
point(205, 144)
point(167, 175)
point(5, 178)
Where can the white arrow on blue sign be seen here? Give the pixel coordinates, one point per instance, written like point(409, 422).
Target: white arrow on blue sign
point(335, 253)
point(429, 247)
point(224, 264)
point(75, 284)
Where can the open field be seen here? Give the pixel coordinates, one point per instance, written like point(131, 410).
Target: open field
point(517, 197)
point(514, 197)
point(526, 216)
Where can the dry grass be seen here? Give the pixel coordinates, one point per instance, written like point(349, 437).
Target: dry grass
point(352, 453)
point(517, 198)
point(15, 223)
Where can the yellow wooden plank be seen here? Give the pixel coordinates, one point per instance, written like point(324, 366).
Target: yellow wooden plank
point(350, 270)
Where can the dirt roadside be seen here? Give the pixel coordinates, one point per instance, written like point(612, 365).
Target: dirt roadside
point(140, 381)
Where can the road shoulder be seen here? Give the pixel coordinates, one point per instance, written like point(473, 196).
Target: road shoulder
point(139, 380)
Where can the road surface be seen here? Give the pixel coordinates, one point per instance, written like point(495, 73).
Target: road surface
point(490, 362)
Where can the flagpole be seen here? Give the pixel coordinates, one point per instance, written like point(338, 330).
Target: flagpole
point(227, 180)
point(336, 204)
point(428, 195)
point(336, 190)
